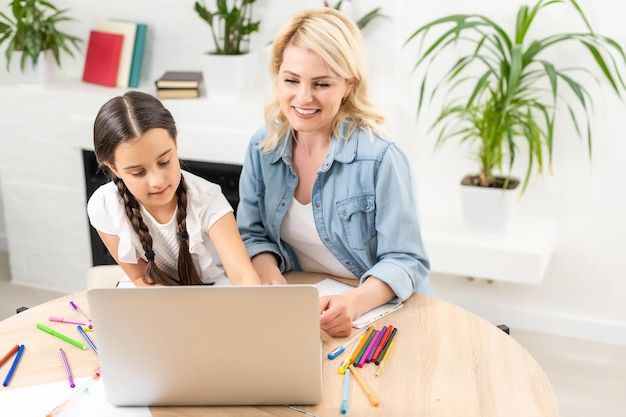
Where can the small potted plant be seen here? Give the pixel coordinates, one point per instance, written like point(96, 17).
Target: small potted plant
point(231, 25)
point(504, 91)
point(363, 20)
point(32, 34)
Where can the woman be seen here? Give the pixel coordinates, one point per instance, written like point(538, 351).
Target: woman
point(322, 189)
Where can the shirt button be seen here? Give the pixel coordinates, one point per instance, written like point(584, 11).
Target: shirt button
point(367, 207)
point(347, 262)
point(282, 204)
point(327, 239)
point(317, 205)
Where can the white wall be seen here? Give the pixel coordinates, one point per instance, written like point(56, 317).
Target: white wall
point(582, 293)
point(3, 228)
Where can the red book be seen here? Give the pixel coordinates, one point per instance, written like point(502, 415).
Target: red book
point(103, 58)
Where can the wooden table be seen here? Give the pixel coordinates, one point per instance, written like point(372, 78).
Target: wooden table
point(446, 362)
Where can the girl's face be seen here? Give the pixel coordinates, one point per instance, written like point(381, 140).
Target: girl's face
point(309, 91)
point(149, 167)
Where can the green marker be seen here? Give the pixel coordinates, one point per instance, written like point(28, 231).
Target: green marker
point(61, 336)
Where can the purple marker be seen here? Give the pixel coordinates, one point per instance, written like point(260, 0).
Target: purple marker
point(67, 368)
point(82, 316)
point(369, 348)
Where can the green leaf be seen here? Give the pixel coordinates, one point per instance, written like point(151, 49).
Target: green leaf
point(510, 91)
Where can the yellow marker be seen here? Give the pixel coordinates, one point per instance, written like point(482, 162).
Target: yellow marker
point(383, 361)
point(348, 360)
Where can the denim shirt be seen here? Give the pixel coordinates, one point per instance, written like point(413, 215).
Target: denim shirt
point(364, 206)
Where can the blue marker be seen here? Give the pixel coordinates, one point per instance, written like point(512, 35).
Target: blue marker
point(344, 400)
point(341, 348)
point(12, 370)
point(80, 329)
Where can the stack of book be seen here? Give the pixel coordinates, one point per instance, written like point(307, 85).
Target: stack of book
point(115, 53)
point(179, 84)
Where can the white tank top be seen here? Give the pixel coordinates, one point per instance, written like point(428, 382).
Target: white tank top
point(164, 242)
point(298, 230)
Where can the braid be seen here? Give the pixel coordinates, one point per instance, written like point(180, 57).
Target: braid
point(153, 274)
point(186, 268)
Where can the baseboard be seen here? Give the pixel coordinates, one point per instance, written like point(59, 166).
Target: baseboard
point(577, 327)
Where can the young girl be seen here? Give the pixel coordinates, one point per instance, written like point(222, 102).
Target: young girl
point(161, 224)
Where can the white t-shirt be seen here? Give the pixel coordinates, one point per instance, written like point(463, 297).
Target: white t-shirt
point(205, 205)
point(298, 230)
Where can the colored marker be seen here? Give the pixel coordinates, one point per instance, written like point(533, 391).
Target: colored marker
point(356, 352)
point(64, 320)
point(344, 365)
point(61, 336)
point(391, 336)
point(368, 355)
point(82, 332)
point(382, 343)
point(340, 349)
point(361, 382)
point(67, 368)
point(9, 354)
point(364, 348)
point(368, 350)
point(383, 361)
point(85, 319)
point(20, 350)
point(377, 341)
point(344, 400)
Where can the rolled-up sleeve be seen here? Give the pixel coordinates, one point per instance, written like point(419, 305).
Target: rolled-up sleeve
point(403, 263)
point(250, 219)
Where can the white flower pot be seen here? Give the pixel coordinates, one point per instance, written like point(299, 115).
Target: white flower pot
point(230, 75)
point(487, 211)
point(44, 70)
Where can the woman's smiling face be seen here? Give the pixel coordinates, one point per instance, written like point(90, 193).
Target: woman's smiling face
point(309, 91)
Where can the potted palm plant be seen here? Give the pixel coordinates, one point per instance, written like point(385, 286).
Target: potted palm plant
point(504, 92)
point(34, 38)
point(231, 25)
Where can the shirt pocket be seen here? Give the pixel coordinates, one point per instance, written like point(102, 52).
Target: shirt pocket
point(357, 215)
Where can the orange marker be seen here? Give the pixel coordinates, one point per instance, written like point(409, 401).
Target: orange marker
point(9, 354)
point(361, 344)
point(367, 391)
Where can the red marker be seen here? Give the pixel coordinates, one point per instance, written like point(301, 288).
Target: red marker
point(381, 345)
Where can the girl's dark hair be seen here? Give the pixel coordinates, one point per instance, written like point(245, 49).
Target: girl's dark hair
point(128, 117)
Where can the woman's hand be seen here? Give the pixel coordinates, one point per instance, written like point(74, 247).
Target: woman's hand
point(336, 315)
point(338, 311)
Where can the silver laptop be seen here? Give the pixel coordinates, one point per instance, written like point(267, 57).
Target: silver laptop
point(235, 345)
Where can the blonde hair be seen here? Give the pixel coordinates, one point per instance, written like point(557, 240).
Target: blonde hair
point(338, 41)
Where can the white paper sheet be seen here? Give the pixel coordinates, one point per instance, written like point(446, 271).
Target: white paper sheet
point(39, 400)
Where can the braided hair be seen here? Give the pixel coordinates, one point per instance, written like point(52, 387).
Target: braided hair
point(125, 118)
